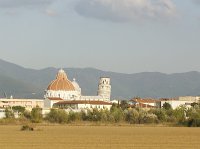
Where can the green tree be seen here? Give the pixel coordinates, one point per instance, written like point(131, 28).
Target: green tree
point(194, 104)
point(124, 104)
point(180, 114)
point(161, 114)
point(150, 118)
point(9, 113)
point(104, 115)
point(170, 115)
point(18, 109)
point(57, 116)
point(193, 117)
point(142, 114)
point(84, 115)
point(94, 115)
point(36, 115)
point(114, 105)
point(117, 114)
point(74, 116)
point(132, 116)
point(167, 106)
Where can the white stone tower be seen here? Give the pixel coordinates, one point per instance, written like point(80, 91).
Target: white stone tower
point(104, 88)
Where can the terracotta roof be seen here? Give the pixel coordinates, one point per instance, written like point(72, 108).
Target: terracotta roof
point(61, 83)
point(85, 102)
point(55, 98)
point(141, 105)
point(145, 100)
point(145, 105)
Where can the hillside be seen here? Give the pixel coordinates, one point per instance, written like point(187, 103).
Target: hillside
point(23, 82)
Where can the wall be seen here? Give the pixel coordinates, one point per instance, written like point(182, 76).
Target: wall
point(67, 95)
point(27, 103)
point(177, 103)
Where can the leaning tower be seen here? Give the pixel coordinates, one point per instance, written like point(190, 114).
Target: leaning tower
point(104, 88)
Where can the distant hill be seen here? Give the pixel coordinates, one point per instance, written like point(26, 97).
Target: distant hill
point(30, 83)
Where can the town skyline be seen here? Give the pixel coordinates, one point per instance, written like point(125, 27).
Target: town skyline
point(99, 74)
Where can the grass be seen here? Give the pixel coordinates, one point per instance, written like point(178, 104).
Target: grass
point(99, 137)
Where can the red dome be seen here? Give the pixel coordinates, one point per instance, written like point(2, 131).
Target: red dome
point(61, 83)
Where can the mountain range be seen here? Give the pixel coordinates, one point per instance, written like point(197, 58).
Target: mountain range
point(23, 82)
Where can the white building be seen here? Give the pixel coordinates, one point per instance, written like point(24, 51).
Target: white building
point(27, 103)
point(189, 98)
point(61, 87)
point(182, 101)
point(62, 91)
point(144, 103)
point(83, 104)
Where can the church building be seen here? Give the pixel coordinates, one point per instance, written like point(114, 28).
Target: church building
point(66, 94)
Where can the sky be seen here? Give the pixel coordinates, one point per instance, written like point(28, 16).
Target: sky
point(127, 36)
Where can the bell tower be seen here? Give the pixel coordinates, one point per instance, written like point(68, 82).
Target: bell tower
point(104, 88)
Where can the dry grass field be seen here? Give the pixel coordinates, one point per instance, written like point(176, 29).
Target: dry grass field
point(94, 137)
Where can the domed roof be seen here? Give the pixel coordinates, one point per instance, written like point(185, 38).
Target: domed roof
point(75, 84)
point(61, 83)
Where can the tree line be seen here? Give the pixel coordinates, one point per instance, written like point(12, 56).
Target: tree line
point(122, 113)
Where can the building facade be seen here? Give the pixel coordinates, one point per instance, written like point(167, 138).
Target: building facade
point(63, 91)
point(29, 104)
point(181, 101)
point(144, 103)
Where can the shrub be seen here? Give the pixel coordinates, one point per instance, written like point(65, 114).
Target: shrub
point(9, 113)
point(104, 115)
point(193, 117)
point(74, 116)
point(84, 115)
point(161, 114)
point(18, 109)
point(150, 118)
point(57, 116)
point(132, 116)
point(27, 128)
point(94, 115)
point(142, 114)
point(193, 122)
point(36, 115)
point(180, 114)
point(27, 114)
point(117, 114)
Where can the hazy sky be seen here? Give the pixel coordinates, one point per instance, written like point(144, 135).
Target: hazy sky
point(116, 35)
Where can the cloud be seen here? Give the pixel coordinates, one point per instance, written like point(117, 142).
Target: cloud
point(14, 7)
point(47, 7)
point(23, 3)
point(126, 10)
point(51, 12)
point(196, 1)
